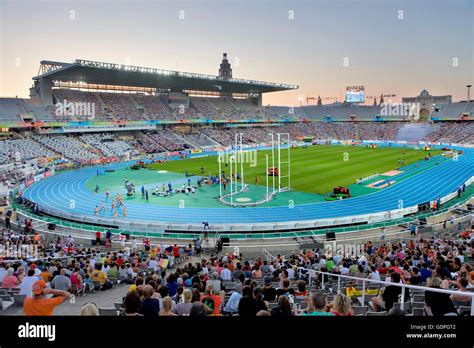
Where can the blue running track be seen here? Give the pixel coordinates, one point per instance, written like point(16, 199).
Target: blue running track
point(57, 191)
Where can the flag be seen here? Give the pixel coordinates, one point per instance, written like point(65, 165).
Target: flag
point(163, 263)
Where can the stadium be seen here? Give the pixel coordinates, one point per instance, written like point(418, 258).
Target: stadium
point(182, 133)
point(137, 190)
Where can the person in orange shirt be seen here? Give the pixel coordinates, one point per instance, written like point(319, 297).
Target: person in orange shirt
point(39, 304)
point(46, 275)
point(36, 237)
point(230, 266)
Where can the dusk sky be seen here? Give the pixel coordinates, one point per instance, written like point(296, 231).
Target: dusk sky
point(391, 47)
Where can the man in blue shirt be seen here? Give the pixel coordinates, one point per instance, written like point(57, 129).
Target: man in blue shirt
point(425, 273)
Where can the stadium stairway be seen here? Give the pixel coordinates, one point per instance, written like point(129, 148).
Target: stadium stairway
point(211, 140)
point(413, 132)
point(190, 142)
point(138, 107)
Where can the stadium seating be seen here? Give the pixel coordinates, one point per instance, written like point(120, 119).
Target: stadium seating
point(91, 146)
point(122, 107)
point(454, 111)
point(452, 132)
point(11, 109)
point(26, 149)
point(67, 146)
point(153, 107)
point(242, 286)
point(109, 145)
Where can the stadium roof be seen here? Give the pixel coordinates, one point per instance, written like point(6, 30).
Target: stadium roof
point(126, 75)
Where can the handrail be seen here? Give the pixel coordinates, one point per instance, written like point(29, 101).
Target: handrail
point(268, 255)
point(385, 283)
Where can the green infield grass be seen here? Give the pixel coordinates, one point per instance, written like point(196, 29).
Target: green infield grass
point(315, 169)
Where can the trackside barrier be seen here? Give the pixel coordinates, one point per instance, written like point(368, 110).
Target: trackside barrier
point(293, 225)
point(84, 231)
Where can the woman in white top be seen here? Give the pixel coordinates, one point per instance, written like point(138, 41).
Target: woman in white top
point(374, 274)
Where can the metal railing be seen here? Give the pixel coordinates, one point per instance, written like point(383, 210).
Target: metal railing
point(312, 273)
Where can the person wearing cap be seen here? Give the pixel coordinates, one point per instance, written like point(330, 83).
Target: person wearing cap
point(39, 304)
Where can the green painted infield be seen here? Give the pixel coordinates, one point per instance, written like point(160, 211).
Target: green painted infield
point(207, 196)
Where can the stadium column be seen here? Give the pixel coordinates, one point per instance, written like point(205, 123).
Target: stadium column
point(46, 91)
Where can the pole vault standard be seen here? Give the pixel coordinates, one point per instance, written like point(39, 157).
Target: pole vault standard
point(287, 162)
point(273, 161)
point(236, 155)
point(219, 159)
point(242, 183)
point(237, 151)
point(267, 198)
point(279, 162)
point(232, 159)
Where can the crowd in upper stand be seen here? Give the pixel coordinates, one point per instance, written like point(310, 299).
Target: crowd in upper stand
point(108, 106)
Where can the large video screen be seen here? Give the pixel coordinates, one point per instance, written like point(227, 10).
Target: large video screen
point(355, 94)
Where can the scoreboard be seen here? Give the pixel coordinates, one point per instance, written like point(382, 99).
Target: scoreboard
point(355, 94)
